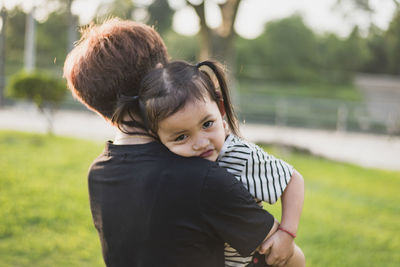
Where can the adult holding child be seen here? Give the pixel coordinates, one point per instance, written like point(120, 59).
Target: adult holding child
point(150, 206)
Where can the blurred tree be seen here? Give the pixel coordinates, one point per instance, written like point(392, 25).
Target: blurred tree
point(52, 41)
point(217, 43)
point(378, 60)
point(65, 7)
point(3, 17)
point(392, 37)
point(120, 8)
point(54, 37)
point(160, 15)
point(15, 40)
point(286, 51)
point(354, 51)
point(385, 52)
point(180, 46)
point(45, 91)
point(362, 4)
point(30, 41)
point(331, 65)
point(72, 21)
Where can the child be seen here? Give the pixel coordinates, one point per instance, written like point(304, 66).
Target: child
point(182, 108)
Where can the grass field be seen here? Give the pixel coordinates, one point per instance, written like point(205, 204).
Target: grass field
point(44, 209)
point(351, 215)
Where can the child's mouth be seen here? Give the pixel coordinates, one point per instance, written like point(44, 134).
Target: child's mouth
point(207, 153)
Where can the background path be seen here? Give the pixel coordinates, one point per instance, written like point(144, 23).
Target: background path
point(363, 149)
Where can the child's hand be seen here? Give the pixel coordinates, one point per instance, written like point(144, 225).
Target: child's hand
point(278, 248)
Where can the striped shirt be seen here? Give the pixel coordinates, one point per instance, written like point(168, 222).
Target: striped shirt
point(263, 175)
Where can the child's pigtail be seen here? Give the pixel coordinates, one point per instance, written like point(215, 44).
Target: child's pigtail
point(230, 113)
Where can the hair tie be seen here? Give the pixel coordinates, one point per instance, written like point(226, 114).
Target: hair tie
point(135, 97)
point(209, 64)
point(127, 97)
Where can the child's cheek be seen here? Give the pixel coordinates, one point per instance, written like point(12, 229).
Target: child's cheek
point(180, 150)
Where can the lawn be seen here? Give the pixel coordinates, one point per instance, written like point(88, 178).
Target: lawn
point(351, 215)
point(44, 208)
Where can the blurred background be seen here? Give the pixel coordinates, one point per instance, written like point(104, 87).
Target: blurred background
point(329, 64)
point(319, 76)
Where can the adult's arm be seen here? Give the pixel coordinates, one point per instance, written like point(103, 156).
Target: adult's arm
point(232, 212)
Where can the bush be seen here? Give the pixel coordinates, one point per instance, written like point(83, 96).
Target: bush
point(44, 90)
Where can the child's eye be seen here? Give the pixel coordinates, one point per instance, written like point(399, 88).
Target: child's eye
point(208, 124)
point(180, 138)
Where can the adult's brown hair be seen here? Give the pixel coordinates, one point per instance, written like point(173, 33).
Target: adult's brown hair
point(110, 60)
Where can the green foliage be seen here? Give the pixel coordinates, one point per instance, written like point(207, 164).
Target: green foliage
point(284, 52)
point(52, 42)
point(15, 40)
point(378, 60)
point(353, 52)
point(339, 59)
point(160, 15)
point(181, 47)
point(392, 37)
point(287, 51)
point(38, 87)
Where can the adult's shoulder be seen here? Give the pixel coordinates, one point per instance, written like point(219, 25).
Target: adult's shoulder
point(220, 185)
point(194, 166)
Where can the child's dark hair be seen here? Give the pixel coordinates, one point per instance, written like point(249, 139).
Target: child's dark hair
point(167, 89)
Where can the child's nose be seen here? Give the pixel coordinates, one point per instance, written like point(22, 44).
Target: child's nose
point(201, 143)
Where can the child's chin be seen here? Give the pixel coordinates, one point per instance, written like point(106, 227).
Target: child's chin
point(212, 158)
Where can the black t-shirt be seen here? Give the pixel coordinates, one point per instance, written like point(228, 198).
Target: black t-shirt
point(154, 208)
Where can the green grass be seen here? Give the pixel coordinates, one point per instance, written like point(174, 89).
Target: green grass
point(351, 214)
point(44, 208)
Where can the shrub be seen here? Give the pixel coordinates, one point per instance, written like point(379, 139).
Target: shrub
point(44, 90)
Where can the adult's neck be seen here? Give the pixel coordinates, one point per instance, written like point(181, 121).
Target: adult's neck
point(122, 138)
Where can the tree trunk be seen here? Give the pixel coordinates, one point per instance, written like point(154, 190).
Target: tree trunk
point(219, 43)
point(30, 42)
point(3, 14)
point(72, 27)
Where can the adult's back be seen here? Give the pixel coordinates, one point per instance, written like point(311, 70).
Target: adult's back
point(153, 208)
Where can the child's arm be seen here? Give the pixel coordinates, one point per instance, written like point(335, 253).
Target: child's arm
point(292, 203)
point(281, 243)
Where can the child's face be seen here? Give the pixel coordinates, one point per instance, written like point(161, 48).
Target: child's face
point(196, 130)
